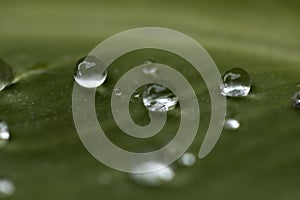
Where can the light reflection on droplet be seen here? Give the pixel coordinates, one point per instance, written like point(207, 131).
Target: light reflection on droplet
point(152, 179)
point(7, 187)
point(187, 159)
point(231, 124)
point(4, 134)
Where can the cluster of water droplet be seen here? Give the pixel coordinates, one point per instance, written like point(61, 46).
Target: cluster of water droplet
point(158, 98)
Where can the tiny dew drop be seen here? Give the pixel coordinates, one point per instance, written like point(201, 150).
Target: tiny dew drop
point(6, 74)
point(149, 67)
point(187, 159)
point(118, 92)
point(236, 83)
point(89, 72)
point(296, 100)
point(158, 98)
point(4, 134)
point(105, 178)
point(231, 124)
point(7, 188)
point(153, 179)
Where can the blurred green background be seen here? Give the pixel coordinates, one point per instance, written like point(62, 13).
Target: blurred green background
point(44, 39)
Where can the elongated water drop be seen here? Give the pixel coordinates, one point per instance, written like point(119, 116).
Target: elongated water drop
point(4, 134)
point(6, 74)
point(296, 100)
point(7, 187)
point(89, 72)
point(157, 178)
point(158, 98)
point(236, 83)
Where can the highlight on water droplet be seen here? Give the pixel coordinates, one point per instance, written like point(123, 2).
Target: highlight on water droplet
point(158, 98)
point(149, 67)
point(6, 74)
point(296, 100)
point(152, 179)
point(7, 187)
point(231, 124)
point(89, 72)
point(236, 83)
point(187, 159)
point(4, 134)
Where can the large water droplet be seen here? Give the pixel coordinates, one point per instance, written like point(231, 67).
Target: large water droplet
point(4, 134)
point(7, 187)
point(149, 67)
point(187, 159)
point(6, 74)
point(158, 98)
point(231, 124)
point(236, 83)
point(296, 100)
point(87, 72)
point(157, 178)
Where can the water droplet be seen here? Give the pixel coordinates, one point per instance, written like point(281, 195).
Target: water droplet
point(87, 72)
point(236, 83)
point(152, 179)
point(158, 98)
point(7, 187)
point(118, 92)
point(296, 100)
point(149, 67)
point(4, 134)
point(188, 159)
point(231, 124)
point(6, 74)
point(105, 178)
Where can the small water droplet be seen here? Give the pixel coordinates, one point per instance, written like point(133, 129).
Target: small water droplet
point(153, 179)
point(118, 92)
point(296, 100)
point(87, 72)
point(6, 74)
point(158, 98)
point(105, 178)
point(236, 83)
point(231, 124)
point(4, 134)
point(149, 67)
point(187, 159)
point(7, 187)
